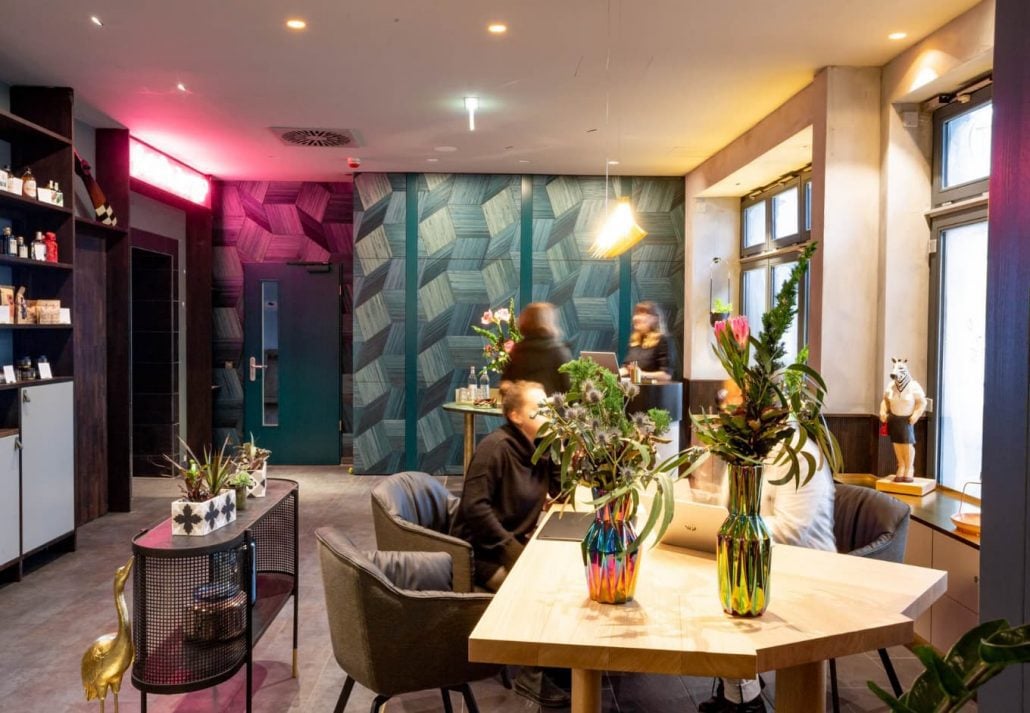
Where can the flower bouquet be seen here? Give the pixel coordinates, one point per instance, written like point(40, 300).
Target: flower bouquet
point(501, 332)
point(600, 446)
point(776, 403)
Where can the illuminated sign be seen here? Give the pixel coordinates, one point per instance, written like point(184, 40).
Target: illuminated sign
point(151, 166)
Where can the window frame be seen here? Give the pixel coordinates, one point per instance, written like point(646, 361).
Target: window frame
point(939, 195)
point(796, 180)
point(768, 263)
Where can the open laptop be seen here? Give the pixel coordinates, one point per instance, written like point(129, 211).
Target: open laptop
point(695, 525)
point(603, 359)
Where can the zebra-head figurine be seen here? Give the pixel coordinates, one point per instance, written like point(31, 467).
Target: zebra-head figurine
point(899, 373)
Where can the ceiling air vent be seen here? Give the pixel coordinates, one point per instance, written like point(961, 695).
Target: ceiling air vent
point(318, 138)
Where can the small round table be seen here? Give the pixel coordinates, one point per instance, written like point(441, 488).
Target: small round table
point(470, 412)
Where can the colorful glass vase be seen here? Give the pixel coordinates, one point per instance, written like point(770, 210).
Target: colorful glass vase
point(610, 553)
point(744, 550)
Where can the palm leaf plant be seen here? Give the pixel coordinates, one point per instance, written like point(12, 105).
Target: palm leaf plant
point(204, 478)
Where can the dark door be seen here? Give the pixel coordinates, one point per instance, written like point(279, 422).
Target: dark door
point(291, 362)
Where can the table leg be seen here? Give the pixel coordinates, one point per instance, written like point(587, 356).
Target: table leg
point(470, 439)
point(586, 691)
point(801, 689)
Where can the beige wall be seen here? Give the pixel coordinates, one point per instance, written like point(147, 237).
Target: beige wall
point(871, 189)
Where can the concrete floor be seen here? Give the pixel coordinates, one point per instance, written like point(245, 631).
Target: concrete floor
point(49, 619)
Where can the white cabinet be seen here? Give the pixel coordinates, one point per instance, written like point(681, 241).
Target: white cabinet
point(47, 463)
point(958, 610)
point(10, 500)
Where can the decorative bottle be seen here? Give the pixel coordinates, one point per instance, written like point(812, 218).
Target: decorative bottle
point(23, 249)
point(484, 385)
point(472, 383)
point(28, 184)
point(5, 240)
point(39, 247)
point(5, 174)
point(10, 244)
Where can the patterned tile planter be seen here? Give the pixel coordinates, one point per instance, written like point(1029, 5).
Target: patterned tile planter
point(205, 517)
point(260, 477)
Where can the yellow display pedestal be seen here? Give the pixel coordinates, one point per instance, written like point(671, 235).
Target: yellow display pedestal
point(918, 486)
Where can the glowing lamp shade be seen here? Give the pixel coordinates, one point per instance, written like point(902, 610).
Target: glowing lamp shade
point(151, 166)
point(619, 233)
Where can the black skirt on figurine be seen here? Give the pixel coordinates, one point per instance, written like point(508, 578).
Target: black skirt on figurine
point(900, 430)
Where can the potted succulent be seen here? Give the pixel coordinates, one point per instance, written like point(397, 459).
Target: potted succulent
point(208, 501)
point(719, 311)
point(254, 460)
point(613, 453)
point(241, 482)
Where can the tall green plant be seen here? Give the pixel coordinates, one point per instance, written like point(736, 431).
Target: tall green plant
point(203, 478)
point(599, 446)
point(776, 400)
point(949, 682)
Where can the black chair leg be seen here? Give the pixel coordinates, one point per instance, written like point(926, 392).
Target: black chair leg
point(506, 677)
point(341, 703)
point(446, 700)
point(470, 700)
point(378, 703)
point(892, 675)
point(834, 693)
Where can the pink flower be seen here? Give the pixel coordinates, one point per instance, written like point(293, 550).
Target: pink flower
point(487, 317)
point(738, 327)
point(502, 315)
point(508, 345)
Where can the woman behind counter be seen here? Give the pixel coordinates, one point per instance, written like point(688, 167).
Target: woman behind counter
point(648, 344)
point(541, 351)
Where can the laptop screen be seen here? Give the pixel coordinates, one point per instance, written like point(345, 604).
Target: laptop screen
point(604, 359)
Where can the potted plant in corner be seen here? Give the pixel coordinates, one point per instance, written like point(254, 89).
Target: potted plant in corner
point(600, 446)
point(254, 460)
point(776, 401)
point(208, 501)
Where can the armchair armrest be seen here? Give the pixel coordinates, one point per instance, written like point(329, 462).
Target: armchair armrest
point(395, 534)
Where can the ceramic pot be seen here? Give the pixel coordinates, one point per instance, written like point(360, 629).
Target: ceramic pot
point(205, 517)
point(260, 477)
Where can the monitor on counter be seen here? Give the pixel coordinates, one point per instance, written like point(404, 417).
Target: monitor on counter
point(604, 359)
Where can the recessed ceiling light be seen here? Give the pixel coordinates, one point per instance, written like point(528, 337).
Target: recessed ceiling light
point(295, 23)
point(96, 21)
point(497, 28)
point(181, 87)
point(432, 160)
point(446, 149)
point(613, 162)
point(897, 35)
point(471, 104)
point(523, 160)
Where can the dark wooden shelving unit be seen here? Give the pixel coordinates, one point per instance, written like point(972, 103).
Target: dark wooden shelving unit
point(34, 264)
point(14, 200)
point(14, 129)
point(20, 327)
point(93, 226)
point(33, 382)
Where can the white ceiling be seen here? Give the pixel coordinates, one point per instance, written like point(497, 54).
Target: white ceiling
point(684, 78)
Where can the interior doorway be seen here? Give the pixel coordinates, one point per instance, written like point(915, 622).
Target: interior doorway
point(155, 353)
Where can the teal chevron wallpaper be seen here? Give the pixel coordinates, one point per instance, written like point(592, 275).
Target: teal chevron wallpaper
point(465, 243)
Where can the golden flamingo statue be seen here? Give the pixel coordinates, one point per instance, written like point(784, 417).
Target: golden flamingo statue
point(107, 659)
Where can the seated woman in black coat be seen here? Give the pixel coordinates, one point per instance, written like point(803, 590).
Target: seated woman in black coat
point(648, 345)
point(541, 351)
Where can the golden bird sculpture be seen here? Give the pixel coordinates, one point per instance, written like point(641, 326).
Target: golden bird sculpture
point(107, 659)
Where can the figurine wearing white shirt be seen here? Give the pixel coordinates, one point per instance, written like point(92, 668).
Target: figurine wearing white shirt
point(902, 405)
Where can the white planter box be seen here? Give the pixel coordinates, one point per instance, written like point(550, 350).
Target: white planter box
point(202, 518)
point(260, 482)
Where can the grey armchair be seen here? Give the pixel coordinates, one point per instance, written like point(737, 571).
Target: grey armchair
point(867, 523)
point(391, 635)
point(412, 512)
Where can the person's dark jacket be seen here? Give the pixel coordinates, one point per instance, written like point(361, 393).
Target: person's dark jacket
point(537, 359)
point(654, 359)
point(503, 496)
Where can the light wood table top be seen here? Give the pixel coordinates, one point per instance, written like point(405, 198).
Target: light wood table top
point(822, 605)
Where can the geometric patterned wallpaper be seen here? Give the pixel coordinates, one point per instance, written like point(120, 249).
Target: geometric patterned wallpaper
point(273, 222)
point(469, 241)
point(466, 239)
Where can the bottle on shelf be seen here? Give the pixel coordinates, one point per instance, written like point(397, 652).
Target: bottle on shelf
point(5, 175)
point(5, 240)
point(39, 247)
point(50, 241)
point(23, 249)
point(472, 384)
point(28, 184)
point(10, 244)
point(58, 194)
point(484, 385)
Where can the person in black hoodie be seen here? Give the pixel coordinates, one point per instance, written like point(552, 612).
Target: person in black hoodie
point(501, 501)
point(541, 351)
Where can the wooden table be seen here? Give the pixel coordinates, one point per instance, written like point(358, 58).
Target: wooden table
point(823, 605)
point(470, 412)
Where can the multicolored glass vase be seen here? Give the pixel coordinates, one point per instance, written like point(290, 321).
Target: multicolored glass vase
point(609, 552)
point(744, 550)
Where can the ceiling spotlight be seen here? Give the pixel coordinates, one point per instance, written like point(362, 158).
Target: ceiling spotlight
point(613, 162)
point(96, 21)
point(497, 28)
point(296, 23)
point(523, 160)
point(432, 160)
point(181, 87)
point(897, 35)
point(471, 104)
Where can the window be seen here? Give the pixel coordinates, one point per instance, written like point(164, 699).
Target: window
point(958, 291)
point(772, 219)
point(962, 148)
